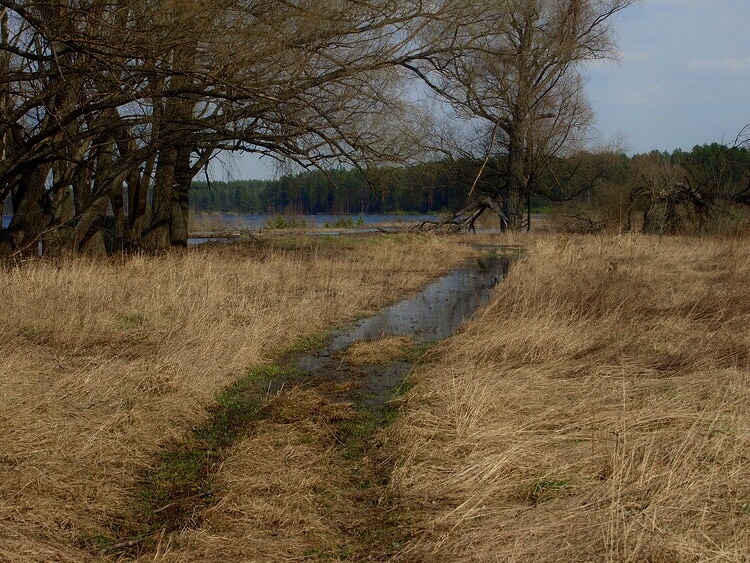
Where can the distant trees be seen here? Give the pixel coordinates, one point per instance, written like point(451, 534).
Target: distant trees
point(423, 188)
point(680, 191)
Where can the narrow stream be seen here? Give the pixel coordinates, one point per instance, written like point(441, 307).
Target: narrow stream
point(180, 483)
point(432, 315)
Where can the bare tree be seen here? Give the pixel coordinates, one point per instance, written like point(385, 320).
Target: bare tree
point(110, 108)
point(707, 188)
point(518, 70)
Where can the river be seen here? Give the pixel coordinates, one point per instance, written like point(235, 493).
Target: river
point(236, 221)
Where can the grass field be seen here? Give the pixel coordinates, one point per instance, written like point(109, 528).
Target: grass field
point(597, 409)
point(105, 364)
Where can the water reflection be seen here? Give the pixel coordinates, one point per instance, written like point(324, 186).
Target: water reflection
point(432, 315)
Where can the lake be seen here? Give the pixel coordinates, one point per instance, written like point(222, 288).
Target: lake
point(236, 221)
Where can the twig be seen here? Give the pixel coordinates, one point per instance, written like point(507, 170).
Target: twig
point(129, 543)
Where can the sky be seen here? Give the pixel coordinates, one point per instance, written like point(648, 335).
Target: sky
point(682, 79)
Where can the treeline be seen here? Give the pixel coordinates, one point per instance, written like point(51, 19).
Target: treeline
point(707, 188)
point(425, 188)
point(607, 188)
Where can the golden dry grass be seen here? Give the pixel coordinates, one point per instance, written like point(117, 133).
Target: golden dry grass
point(598, 410)
point(282, 490)
point(105, 363)
point(381, 352)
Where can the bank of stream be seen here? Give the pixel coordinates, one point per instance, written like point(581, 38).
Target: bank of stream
point(180, 487)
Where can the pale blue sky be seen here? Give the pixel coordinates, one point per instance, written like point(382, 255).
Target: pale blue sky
point(683, 79)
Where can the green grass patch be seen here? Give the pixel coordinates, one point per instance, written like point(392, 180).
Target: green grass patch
point(95, 543)
point(377, 521)
point(281, 222)
point(34, 334)
point(182, 479)
point(344, 223)
point(129, 320)
point(418, 354)
point(356, 436)
point(307, 344)
point(547, 486)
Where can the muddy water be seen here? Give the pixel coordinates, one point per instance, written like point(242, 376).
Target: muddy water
point(433, 314)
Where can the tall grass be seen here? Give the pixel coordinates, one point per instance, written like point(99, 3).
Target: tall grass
point(597, 410)
point(103, 364)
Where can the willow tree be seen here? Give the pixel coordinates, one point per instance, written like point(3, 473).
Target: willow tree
point(111, 107)
point(519, 72)
point(75, 121)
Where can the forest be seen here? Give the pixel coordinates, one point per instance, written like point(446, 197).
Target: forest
point(418, 189)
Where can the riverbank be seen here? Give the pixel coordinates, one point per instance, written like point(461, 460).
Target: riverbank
point(226, 226)
point(208, 224)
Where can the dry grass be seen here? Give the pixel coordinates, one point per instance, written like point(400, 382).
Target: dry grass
point(104, 364)
point(379, 352)
point(599, 409)
point(596, 410)
point(280, 489)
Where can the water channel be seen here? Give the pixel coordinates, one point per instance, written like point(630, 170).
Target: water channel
point(432, 315)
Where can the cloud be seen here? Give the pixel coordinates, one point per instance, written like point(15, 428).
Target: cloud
point(644, 96)
point(727, 65)
point(691, 3)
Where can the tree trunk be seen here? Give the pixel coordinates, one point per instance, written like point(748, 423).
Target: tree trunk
point(514, 191)
point(32, 215)
point(158, 232)
point(184, 174)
